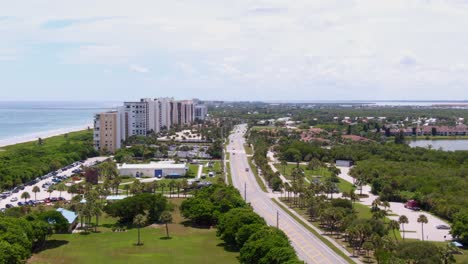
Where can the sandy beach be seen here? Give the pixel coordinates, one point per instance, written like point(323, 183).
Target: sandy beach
point(45, 134)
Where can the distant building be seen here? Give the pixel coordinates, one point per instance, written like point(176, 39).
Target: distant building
point(153, 169)
point(108, 132)
point(344, 163)
point(72, 218)
point(201, 112)
point(142, 117)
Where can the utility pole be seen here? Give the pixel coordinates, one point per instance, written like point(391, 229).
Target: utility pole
point(277, 219)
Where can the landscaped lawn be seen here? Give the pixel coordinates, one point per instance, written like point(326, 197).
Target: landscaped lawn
point(308, 173)
point(187, 245)
point(321, 173)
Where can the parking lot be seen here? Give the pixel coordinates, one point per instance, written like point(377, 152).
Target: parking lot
point(413, 228)
point(13, 197)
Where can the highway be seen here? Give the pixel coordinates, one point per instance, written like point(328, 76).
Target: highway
point(309, 248)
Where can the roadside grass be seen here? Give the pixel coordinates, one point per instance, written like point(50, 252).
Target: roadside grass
point(228, 173)
point(186, 245)
point(362, 211)
point(248, 149)
point(345, 186)
point(313, 231)
point(254, 170)
point(258, 128)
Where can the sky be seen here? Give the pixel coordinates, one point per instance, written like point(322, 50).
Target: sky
point(105, 50)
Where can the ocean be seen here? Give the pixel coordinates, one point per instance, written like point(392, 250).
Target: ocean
point(20, 121)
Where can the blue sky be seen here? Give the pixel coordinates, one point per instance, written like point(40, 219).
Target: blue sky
point(234, 50)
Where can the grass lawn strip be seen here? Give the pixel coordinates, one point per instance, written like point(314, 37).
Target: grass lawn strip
point(254, 170)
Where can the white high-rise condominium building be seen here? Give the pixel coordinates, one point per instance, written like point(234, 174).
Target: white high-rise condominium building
point(144, 116)
point(109, 132)
point(137, 117)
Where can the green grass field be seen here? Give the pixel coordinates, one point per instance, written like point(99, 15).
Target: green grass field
point(187, 245)
point(308, 173)
point(343, 185)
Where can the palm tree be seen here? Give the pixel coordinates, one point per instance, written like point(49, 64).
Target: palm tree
point(166, 218)
point(154, 186)
point(25, 195)
point(185, 186)
point(284, 164)
point(116, 183)
point(423, 220)
point(139, 220)
point(179, 185)
point(50, 190)
point(35, 190)
point(386, 205)
point(61, 187)
point(394, 225)
point(136, 187)
point(126, 188)
point(73, 189)
point(403, 220)
point(172, 184)
point(162, 185)
point(97, 211)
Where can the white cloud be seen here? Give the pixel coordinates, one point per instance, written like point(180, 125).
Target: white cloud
point(267, 44)
point(138, 68)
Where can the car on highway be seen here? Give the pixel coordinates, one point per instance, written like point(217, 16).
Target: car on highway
point(14, 199)
point(445, 227)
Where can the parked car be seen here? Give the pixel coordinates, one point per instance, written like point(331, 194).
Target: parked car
point(8, 206)
point(14, 199)
point(446, 227)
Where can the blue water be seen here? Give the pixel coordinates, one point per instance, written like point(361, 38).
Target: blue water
point(19, 119)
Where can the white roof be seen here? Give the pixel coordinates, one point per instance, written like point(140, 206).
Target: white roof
point(153, 165)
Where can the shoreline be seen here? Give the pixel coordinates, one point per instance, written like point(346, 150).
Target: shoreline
point(44, 134)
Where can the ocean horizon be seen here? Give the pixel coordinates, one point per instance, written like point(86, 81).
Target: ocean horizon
point(26, 121)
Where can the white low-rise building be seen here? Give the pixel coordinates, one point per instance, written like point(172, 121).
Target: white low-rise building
point(153, 169)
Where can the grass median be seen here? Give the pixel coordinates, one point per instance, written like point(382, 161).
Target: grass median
point(257, 177)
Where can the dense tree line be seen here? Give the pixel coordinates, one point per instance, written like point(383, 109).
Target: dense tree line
point(22, 233)
point(326, 113)
point(23, 162)
point(261, 142)
point(145, 203)
point(239, 227)
point(435, 178)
